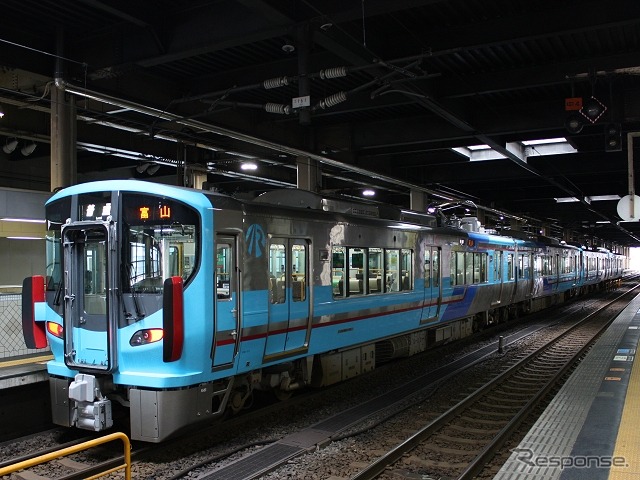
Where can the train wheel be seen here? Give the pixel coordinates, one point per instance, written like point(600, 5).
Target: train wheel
point(282, 395)
point(238, 398)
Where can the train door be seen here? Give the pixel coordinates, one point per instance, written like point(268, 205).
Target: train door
point(432, 282)
point(89, 324)
point(529, 273)
point(497, 276)
point(227, 321)
point(512, 278)
point(289, 304)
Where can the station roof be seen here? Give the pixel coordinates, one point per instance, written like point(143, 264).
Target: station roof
point(521, 108)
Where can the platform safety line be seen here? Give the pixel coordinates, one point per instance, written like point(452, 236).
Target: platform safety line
point(24, 361)
point(628, 438)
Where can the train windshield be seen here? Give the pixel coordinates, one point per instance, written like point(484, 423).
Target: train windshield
point(56, 214)
point(162, 236)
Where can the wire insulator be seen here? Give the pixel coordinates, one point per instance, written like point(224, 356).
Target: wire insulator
point(275, 83)
point(335, 72)
point(333, 100)
point(277, 108)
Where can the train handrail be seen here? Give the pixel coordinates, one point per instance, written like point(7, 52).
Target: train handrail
point(77, 448)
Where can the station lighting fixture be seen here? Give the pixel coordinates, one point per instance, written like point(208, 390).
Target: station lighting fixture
point(369, 192)
point(1, 111)
point(612, 137)
point(10, 146)
point(141, 167)
point(28, 149)
point(573, 123)
point(249, 166)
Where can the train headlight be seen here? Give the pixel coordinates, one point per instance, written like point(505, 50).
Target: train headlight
point(55, 329)
point(144, 337)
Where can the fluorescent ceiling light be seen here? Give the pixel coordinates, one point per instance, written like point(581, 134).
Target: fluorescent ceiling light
point(249, 166)
point(479, 147)
point(25, 238)
point(545, 141)
point(26, 220)
point(596, 198)
point(566, 199)
point(368, 193)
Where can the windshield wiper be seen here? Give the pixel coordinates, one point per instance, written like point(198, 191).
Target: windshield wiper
point(56, 297)
point(134, 294)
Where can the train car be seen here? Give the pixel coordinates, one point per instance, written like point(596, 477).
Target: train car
point(173, 305)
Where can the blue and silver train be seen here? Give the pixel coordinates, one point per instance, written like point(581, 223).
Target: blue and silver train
point(174, 305)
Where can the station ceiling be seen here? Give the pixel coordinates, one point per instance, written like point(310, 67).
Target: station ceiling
point(389, 95)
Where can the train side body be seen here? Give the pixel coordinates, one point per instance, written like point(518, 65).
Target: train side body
point(177, 304)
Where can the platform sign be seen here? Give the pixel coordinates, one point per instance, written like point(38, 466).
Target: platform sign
point(299, 102)
point(572, 104)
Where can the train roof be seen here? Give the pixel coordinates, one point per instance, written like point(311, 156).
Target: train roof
point(305, 202)
point(293, 197)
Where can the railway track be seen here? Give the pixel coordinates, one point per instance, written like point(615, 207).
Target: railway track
point(166, 456)
point(461, 441)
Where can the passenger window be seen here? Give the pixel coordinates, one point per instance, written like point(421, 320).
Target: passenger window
point(338, 271)
point(392, 267)
point(375, 270)
point(277, 270)
point(468, 267)
point(497, 266)
point(406, 270)
point(356, 283)
point(460, 268)
point(435, 266)
point(298, 272)
point(510, 267)
point(224, 269)
point(427, 268)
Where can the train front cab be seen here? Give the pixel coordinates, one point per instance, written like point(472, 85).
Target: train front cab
point(118, 314)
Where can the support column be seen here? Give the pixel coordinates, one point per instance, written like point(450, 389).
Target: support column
point(304, 84)
point(64, 159)
point(309, 174)
point(418, 201)
point(64, 155)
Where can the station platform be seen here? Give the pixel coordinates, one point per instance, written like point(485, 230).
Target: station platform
point(591, 430)
point(21, 371)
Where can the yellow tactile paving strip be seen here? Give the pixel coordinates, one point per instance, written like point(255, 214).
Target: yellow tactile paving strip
point(24, 361)
point(628, 440)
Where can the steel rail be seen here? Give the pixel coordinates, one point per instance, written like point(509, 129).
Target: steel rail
point(379, 466)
